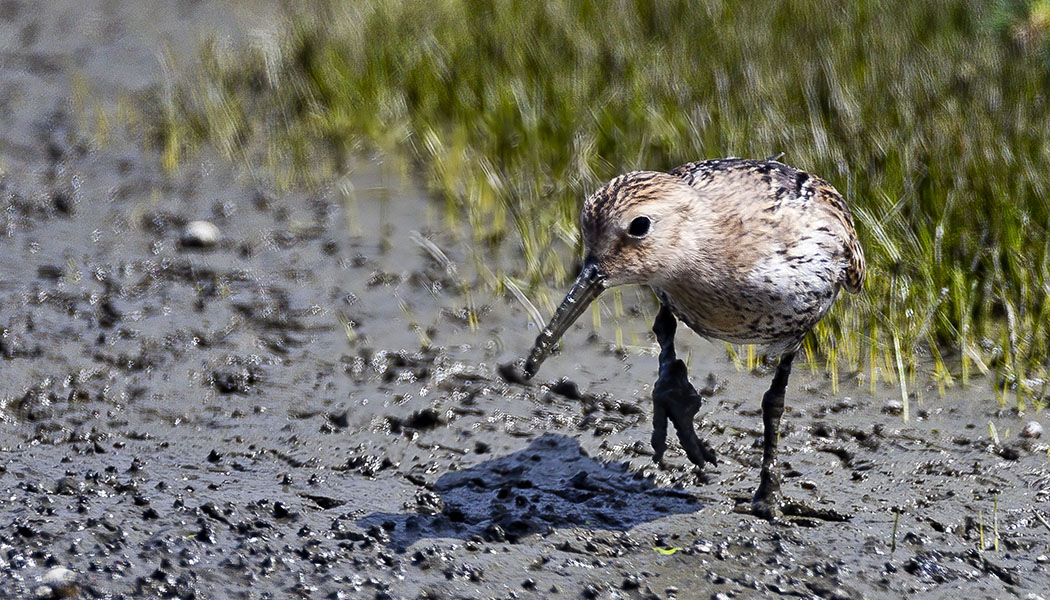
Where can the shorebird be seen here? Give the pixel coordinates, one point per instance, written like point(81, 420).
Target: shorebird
point(745, 251)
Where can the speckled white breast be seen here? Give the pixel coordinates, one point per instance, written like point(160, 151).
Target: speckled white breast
point(773, 305)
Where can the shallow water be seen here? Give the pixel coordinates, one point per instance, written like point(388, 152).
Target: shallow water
point(198, 423)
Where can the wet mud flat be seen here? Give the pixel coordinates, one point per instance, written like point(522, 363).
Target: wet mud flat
point(304, 409)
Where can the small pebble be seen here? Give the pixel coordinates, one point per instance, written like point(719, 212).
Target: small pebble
point(200, 234)
point(567, 388)
point(893, 407)
point(512, 373)
point(63, 203)
point(340, 419)
point(280, 510)
point(61, 581)
point(1032, 429)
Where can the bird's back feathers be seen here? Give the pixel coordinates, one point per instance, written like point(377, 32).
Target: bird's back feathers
point(774, 186)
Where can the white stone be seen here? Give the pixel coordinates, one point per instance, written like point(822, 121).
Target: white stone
point(893, 407)
point(61, 581)
point(1032, 429)
point(58, 575)
point(200, 234)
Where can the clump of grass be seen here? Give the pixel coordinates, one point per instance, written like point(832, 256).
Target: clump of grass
point(1026, 24)
point(929, 120)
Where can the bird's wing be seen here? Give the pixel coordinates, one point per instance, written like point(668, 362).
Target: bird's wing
point(774, 186)
point(830, 200)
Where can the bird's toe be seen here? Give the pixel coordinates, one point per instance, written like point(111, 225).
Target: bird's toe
point(767, 507)
point(659, 437)
point(695, 448)
point(767, 503)
point(677, 401)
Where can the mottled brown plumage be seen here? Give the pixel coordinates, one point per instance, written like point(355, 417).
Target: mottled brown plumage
point(746, 251)
point(750, 252)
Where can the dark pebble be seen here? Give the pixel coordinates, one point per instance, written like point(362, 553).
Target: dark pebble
point(281, 511)
point(324, 501)
point(427, 418)
point(67, 486)
point(512, 373)
point(340, 419)
point(1010, 452)
point(378, 533)
point(52, 272)
point(205, 533)
point(108, 315)
point(228, 383)
point(63, 203)
point(495, 533)
point(567, 388)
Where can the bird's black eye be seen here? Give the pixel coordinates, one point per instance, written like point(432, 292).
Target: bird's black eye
point(639, 227)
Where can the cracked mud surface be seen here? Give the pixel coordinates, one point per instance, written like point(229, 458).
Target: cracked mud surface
point(197, 423)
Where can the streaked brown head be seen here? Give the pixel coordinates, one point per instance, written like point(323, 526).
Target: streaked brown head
point(633, 230)
point(633, 226)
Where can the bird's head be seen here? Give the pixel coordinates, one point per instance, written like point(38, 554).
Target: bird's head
point(633, 232)
point(634, 227)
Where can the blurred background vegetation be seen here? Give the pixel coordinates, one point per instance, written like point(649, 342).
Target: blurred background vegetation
point(931, 117)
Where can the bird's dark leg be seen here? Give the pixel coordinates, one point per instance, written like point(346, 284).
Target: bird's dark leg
point(674, 398)
point(766, 503)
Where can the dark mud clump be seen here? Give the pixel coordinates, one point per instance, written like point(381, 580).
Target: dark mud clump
point(550, 484)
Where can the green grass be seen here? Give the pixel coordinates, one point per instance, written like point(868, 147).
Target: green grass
point(931, 117)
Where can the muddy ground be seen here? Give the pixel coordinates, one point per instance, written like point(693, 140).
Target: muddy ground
point(304, 411)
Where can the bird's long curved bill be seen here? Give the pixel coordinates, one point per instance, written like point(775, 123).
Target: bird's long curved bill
point(589, 285)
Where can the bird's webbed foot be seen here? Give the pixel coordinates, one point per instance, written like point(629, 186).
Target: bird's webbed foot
point(675, 399)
